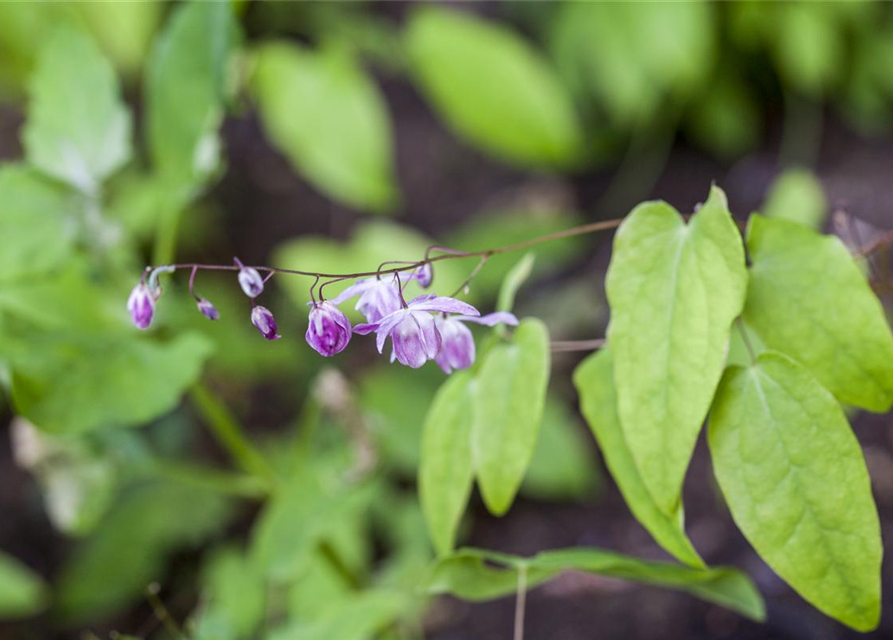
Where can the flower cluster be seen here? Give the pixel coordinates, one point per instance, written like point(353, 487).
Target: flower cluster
point(429, 327)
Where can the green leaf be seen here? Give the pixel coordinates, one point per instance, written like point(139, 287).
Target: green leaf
point(470, 574)
point(186, 83)
point(445, 469)
point(78, 129)
point(797, 195)
point(513, 281)
point(105, 574)
point(124, 30)
point(493, 89)
point(233, 596)
point(76, 384)
point(361, 617)
point(509, 394)
point(795, 480)
point(674, 290)
point(323, 112)
point(35, 222)
point(807, 299)
point(22, 593)
point(594, 379)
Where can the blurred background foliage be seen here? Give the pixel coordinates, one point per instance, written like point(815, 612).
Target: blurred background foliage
point(334, 136)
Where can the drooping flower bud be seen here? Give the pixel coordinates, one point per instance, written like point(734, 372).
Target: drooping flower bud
point(207, 309)
point(424, 275)
point(141, 305)
point(263, 319)
point(250, 280)
point(328, 330)
point(457, 350)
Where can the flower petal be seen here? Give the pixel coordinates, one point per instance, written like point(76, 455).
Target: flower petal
point(491, 319)
point(447, 305)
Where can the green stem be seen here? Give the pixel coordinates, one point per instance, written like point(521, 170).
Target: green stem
point(166, 236)
point(233, 484)
point(801, 137)
point(226, 430)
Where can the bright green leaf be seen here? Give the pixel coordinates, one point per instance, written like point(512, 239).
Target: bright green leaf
point(322, 111)
point(807, 299)
point(674, 290)
point(22, 593)
point(493, 88)
point(124, 30)
point(594, 379)
point(476, 574)
point(186, 83)
point(78, 129)
point(797, 195)
point(509, 394)
point(36, 223)
point(76, 384)
point(359, 618)
point(445, 469)
point(233, 596)
point(795, 480)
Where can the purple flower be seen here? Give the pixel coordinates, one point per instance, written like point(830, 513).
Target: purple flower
point(328, 329)
point(378, 298)
point(207, 309)
point(412, 329)
point(250, 280)
point(457, 350)
point(424, 275)
point(263, 319)
point(141, 305)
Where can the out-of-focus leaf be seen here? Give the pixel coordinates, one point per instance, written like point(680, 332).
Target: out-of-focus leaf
point(726, 118)
point(233, 596)
point(446, 471)
point(494, 89)
point(797, 195)
point(630, 57)
point(795, 480)
point(562, 467)
point(674, 290)
point(477, 574)
point(22, 593)
point(594, 379)
point(809, 46)
point(371, 244)
point(508, 396)
point(186, 83)
point(23, 26)
point(75, 383)
point(36, 223)
point(122, 29)
point(807, 299)
point(128, 551)
point(328, 117)
point(513, 281)
point(359, 618)
point(78, 130)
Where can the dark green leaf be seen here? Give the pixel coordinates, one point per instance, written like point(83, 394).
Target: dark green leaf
point(22, 593)
point(476, 574)
point(795, 480)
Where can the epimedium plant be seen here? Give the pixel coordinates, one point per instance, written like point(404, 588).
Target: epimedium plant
point(763, 339)
point(680, 289)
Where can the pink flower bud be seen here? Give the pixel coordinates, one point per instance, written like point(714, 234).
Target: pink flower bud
point(250, 280)
point(207, 309)
point(328, 330)
point(141, 305)
point(424, 275)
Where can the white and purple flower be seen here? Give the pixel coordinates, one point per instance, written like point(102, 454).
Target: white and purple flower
point(413, 330)
point(141, 305)
point(207, 309)
point(457, 350)
point(328, 329)
point(263, 319)
point(378, 297)
point(249, 279)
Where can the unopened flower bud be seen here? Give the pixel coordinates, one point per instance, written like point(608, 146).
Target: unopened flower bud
point(141, 305)
point(424, 275)
point(207, 309)
point(250, 280)
point(263, 319)
point(328, 330)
